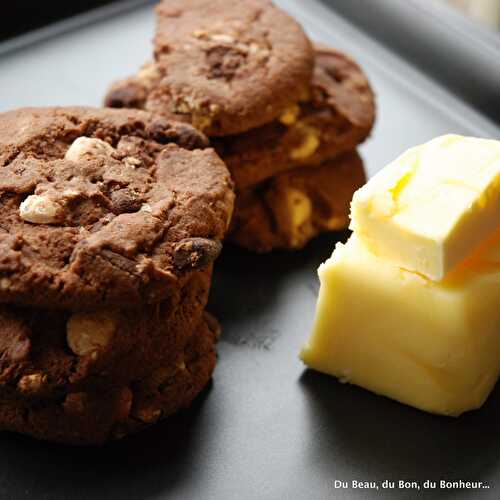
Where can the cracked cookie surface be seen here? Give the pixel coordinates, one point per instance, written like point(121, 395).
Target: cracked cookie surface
point(287, 211)
point(225, 67)
point(104, 207)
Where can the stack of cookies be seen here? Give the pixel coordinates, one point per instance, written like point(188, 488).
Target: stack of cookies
point(285, 116)
point(111, 221)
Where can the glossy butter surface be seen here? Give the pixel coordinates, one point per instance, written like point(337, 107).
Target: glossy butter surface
point(431, 207)
point(435, 346)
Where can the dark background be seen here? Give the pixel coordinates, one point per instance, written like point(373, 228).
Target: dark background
point(20, 16)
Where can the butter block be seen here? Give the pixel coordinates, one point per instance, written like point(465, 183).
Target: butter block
point(434, 346)
point(433, 205)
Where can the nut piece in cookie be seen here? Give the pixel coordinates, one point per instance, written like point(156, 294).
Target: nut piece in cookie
point(90, 332)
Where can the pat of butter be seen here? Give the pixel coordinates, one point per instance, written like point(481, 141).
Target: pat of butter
point(434, 346)
point(433, 205)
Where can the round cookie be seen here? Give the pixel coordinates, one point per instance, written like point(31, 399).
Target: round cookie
point(96, 416)
point(287, 211)
point(338, 116)
point(45, 352)
point(105, 207)
point(225, 67)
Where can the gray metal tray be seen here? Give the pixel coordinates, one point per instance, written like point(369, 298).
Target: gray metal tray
point(266, 428)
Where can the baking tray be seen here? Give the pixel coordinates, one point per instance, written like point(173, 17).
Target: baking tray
point(265, 428)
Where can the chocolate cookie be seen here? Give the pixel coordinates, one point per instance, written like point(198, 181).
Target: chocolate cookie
point(337, 117)
point(225, 67)
point(105, 207)
point(47, 352)
point(133, 91)
point(98, 415)
point(290, 209)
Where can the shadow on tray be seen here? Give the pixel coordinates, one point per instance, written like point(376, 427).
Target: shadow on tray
point(156, 460)
point(139, 466)
point(247, 286)
point(388, 440)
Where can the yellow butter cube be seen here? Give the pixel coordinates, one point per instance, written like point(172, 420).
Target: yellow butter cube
point(431, 207)
point(434, 346)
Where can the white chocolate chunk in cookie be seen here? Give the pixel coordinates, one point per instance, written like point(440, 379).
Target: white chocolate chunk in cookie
point(309, 144)
point(300, 206)
point(88, 148)
point(300, 211)
point(87, 332)
point(39, 210)
point(290, 115)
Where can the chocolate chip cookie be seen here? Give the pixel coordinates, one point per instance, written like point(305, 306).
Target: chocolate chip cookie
point(46, 352)
point(287, 211)
point(105, 207)
point(225, 67)
point(97, 415)
point(338, 116)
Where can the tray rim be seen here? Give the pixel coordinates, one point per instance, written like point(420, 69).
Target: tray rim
point(441, 42)
point(70, 23)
